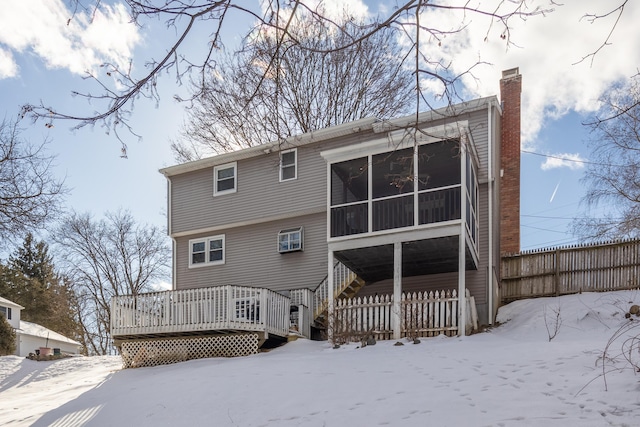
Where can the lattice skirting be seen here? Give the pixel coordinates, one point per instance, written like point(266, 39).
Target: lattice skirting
point(139, 353)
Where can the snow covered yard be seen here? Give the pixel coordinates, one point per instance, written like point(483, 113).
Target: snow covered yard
point(509, 376)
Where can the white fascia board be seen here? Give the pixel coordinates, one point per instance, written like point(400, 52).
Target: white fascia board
point(448, 112)
point(397, 140)
point(8, 303)
point(261, 220)
point(451, 228)
point(291, 142)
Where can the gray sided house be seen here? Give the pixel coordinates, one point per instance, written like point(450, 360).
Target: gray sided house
point(368, 211)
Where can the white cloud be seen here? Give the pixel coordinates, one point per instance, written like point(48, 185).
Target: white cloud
point(42, 27)
point(546, 49)
point(563, 160)
point(8, 67)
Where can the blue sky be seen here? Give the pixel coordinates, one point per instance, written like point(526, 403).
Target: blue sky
point(42, 59)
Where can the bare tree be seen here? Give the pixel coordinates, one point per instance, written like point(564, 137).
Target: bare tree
point(613, 175)
point(309, 88)
point(30, 195)
point(118, 87)
point(105, 258)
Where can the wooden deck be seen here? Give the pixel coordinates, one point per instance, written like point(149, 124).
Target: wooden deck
point(218, 309)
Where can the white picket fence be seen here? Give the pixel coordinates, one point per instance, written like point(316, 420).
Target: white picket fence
point(423, 314)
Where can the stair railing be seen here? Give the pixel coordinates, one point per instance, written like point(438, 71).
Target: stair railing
point(342, 278)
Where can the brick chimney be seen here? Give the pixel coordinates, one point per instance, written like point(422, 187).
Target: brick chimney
point(510, 91)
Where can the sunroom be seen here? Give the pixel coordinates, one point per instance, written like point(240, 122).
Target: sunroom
point(405, 205)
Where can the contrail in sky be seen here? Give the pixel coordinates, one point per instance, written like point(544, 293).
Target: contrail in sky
point(554, 192)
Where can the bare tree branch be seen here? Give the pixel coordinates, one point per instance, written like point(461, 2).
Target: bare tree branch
point(105, 258)
point(120, 87)
point(30, 195)
point(592, 18)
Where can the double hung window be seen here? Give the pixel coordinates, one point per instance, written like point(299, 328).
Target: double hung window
point(224, 179)
point(288, 165)
point(206, 251)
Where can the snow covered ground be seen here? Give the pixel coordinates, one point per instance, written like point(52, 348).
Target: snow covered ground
point(509, 376)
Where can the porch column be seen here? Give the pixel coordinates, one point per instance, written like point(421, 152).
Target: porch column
point(397, 291)
point(462, 243)
point(330, 297)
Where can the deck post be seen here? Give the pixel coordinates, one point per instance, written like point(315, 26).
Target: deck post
point(397, 290)
point(330, 297)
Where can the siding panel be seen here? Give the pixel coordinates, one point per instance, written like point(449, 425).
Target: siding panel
point(252, 258)
point(259, 192)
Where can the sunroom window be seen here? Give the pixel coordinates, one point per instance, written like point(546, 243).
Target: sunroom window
point(349, 197)
point(290, 240)
point(206, 251)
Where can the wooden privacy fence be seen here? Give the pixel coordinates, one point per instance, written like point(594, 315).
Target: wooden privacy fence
point(569, 270)
point(423, 314)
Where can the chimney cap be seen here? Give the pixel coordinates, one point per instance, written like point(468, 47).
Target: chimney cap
point(510, 73)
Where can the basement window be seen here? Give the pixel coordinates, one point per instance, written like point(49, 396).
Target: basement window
point(290, 240)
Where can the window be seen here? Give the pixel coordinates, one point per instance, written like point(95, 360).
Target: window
point(6, 312)
point(290, 240)
point(224, 179)
point(288, 165)
point(247, 309)
point(206, 251)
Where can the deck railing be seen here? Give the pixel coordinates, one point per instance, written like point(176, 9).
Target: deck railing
point(204, 309)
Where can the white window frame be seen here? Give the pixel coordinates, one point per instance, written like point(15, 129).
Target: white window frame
point(289, 232)
point(295, 165)
point(6, 311)
point(233, 165)
point(247, 309)
point(207, 241)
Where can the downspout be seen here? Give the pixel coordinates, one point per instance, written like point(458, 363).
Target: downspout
point(169, 232)
point(490, 201)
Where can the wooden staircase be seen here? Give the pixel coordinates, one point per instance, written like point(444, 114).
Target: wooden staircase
point(346, 285)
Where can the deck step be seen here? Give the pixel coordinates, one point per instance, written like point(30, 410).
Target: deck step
point(349, 291)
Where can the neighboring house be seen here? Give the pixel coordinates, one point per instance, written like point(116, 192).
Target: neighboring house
point(11, 311)
point(369, 207)
point(31, 336)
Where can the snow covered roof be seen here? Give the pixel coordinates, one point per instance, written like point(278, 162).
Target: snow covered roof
point(8, 303)
point(28, 328)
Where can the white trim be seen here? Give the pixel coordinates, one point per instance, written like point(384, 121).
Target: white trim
point(206, 241)
point(263, 220)
point(174, 263)
point(295, 164)
point(462, 239)
point(367, 124)
point(405, 234)
point(233, 165)
point(490, 140)
point(169, 210)
point(396, 316)
point(397, 140)
point(289, 232)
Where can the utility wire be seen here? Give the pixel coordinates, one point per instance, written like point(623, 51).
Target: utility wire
point(566, 159)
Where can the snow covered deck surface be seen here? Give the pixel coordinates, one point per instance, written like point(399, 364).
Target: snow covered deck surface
point(225, 308)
